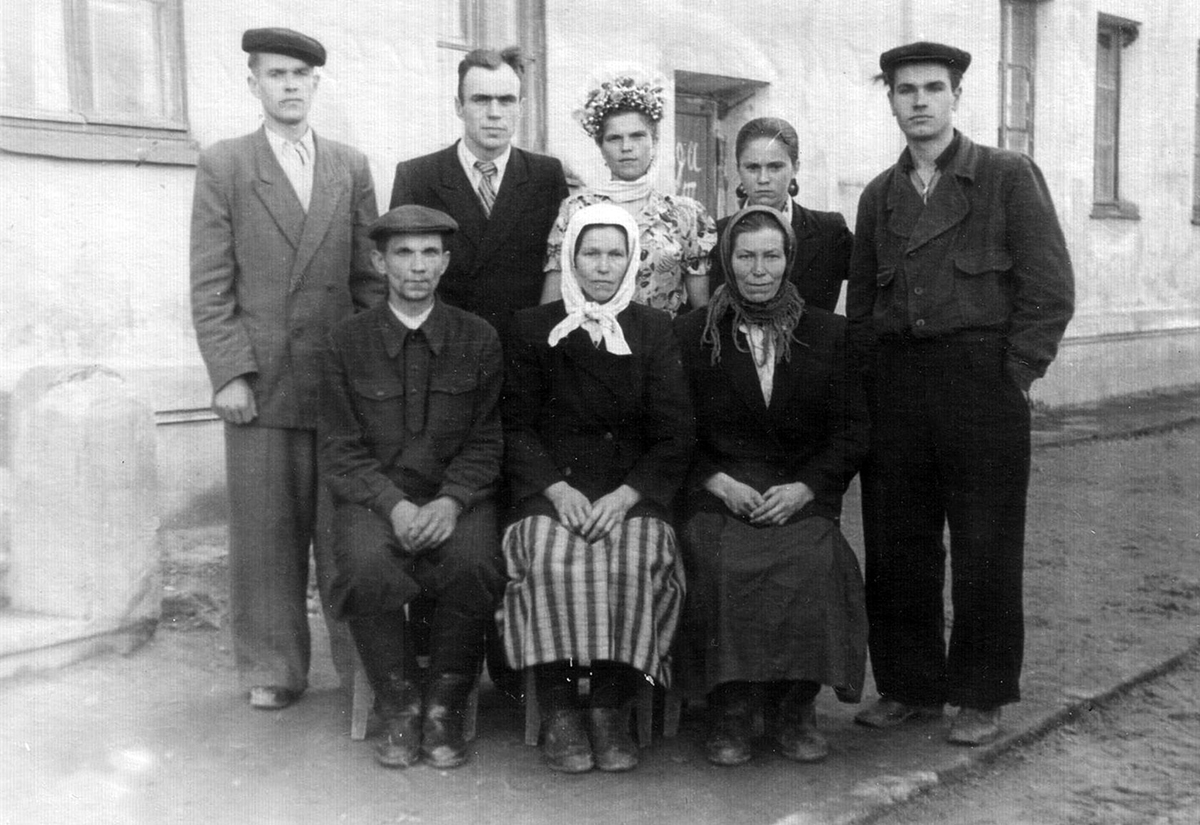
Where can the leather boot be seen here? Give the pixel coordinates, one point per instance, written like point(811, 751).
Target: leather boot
point(613, 747)
point(798, 737)
point(388, 662)
point(728, 742)
point(565, 745)
point(442, 741)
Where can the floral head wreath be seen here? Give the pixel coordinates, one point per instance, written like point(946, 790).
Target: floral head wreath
point(621, 93)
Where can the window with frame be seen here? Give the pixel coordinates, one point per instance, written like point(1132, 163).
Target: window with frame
point(1196, 148)
point(496, 24)
point(1113, 35)
point(1018, 43)
point(94, 79)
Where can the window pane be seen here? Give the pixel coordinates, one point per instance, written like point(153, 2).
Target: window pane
point(1017, 105)
point(125, 57)
point(33, 56)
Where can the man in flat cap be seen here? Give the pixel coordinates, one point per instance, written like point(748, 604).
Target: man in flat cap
point(410, 446)
point(505, 199)
point(279, 252)
point(960, 289)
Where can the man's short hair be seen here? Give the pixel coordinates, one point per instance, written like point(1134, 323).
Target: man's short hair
point(491, 60)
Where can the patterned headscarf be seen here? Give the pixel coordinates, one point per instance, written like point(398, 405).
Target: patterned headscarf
point(777, 317)
point(599, 320)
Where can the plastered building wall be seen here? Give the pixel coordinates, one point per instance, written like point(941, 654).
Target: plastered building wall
point(95, 255)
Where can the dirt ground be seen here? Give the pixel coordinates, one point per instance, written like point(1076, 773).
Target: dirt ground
point(162, 735)
point(1130, 761)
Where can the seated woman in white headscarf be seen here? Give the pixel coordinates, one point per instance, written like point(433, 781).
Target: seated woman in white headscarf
point(676, 233)
point(599, 431)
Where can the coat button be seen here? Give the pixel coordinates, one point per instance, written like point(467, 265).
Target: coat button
point(920, 322)
point(379, 393)
point(920, 290)
point(608, 436)
point(566, 471)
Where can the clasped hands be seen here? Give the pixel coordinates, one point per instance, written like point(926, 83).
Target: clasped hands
point(775, 506)
point(422, 528)
point(593, 520)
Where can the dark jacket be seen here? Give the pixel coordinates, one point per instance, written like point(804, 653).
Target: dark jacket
point(268, 279)
point(496, 263)
point(814, 431)
point(985, 253)
point(823, 245)
point(367, 456)
point(578, 414)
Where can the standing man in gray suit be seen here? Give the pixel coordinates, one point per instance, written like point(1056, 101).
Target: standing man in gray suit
point(279, 253)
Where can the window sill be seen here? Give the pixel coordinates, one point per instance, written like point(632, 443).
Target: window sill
point(96, 142)
point(1121, 211)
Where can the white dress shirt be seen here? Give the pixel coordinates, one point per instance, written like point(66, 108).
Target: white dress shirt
point(474, 175)
point(762, 350)
point(297, 160)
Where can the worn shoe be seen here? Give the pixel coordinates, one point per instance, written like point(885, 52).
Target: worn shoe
point(612, 746)
point(272, 697)
point(798, 737)
point(399, 705)
point(565, 745)
point(442, 742)
point(728, 742)
point(973, 727)
point(889, 713)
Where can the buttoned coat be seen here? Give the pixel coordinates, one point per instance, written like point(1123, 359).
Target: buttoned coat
point(268, 280)
point(814, 430)
point(579, 414)
point(823, 247)
point(985, 253)
point(495, 262)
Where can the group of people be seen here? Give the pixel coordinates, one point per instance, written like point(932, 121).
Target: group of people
point(605, 438)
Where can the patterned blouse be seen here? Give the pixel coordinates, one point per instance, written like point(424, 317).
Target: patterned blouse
point(677, 235)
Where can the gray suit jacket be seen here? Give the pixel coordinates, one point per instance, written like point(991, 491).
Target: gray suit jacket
point(268, 280)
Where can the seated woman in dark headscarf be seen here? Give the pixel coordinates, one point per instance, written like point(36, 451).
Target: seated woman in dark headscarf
point(775, 605)
point(599, 431)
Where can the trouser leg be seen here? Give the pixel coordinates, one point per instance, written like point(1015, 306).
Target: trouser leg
point(985, 455)
point(341, 644)
point(271, 482)
point(903, 518)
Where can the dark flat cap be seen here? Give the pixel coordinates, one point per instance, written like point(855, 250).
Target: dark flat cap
point(284, 41)
point(411, 218)
point(925, 52)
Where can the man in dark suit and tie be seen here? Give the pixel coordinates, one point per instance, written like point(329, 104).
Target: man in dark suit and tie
point(279, 253)
point(504, 199)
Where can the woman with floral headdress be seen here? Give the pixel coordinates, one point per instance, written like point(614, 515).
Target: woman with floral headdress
point(775, 604)
point(677, 234)
point(598, 430)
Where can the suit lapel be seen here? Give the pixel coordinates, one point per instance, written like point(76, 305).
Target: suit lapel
point(738, 367)
point(806, 241)
point(460, 200)
point(506, 211)
point(329, 187)
point(275, 191)
point(947, 207)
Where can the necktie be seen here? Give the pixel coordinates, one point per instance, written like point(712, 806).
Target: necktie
point(487, 192)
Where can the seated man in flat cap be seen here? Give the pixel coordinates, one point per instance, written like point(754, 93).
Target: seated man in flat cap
point(279, 253)
point(410, 446)
point(960, 289)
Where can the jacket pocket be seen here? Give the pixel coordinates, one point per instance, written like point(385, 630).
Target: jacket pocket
point(981, 286)
point(452, 402)
point(379, 403)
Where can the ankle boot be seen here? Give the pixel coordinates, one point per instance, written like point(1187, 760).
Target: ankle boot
point(614, 686)
point(728, 742)
point(797, 736)
point(389, 664)
point(442, 741)
point(565, 745)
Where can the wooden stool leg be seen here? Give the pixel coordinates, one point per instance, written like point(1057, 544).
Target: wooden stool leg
point(645, 712)
point(471, 712)
point(533, 716)
point(672, 710)
point(361, 702)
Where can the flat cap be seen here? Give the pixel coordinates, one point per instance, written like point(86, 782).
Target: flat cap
point(284, 41)
point(411, 218)
point(925, 52)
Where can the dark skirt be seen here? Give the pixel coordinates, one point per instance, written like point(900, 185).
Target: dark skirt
point(771, 603)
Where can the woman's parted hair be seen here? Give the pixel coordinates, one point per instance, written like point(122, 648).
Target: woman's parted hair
point(650, 122)
point(770, 128)
point(591, 226)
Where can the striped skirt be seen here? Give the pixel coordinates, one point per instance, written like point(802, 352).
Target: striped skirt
point(617, 599)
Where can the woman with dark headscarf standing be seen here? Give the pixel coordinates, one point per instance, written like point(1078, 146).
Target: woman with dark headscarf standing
point(767, 151)
point(599, 432)
point(775, 606)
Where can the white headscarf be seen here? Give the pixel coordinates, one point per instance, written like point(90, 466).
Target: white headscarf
point(599, 320)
